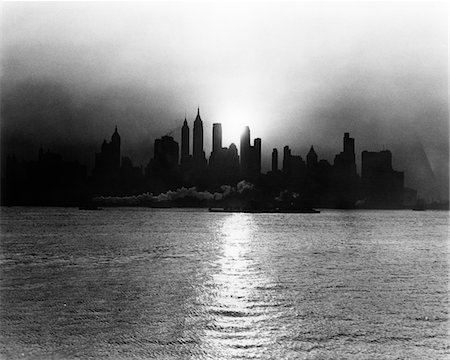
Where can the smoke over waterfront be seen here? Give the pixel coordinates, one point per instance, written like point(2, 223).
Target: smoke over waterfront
point(190, 194)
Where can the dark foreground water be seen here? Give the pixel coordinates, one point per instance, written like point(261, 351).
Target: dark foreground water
point(172, 284)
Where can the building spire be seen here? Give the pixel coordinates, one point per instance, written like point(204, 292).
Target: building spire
point(198, 118)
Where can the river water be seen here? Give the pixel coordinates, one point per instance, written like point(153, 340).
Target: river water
point(131, 283)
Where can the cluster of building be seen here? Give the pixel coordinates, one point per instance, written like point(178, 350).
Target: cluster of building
point(316, 182)
point(225, 166)
point(313, 182)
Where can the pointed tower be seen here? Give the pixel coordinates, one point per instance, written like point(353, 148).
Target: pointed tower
point(198, 153)
point(184, 141)
point(115, 149)
point(115, 138)
point(198, 137)
point(311, 158)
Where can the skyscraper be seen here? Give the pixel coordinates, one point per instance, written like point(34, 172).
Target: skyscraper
point(293, 165)
point(250, 156)
point(106, 171)
point(349, 146)
point(255, 160)
point(382, 185)
point(245, 149)
point(217, 137)
point(108, 160)
point(286, 159)
point(184, 141)
point(198, 137)
point(345, 161)
point(274, 160)
point(198, 152)
point(115, 142)
point(345, 178)
point(165, 156)
point(311, 158)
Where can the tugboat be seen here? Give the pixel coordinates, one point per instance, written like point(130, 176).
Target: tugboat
point(89, 206)
point(265, 211)
point(254, 206)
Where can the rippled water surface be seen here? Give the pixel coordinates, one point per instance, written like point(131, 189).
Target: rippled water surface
point(179, 284)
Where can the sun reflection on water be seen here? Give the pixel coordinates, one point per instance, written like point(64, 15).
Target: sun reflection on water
point(236, 314)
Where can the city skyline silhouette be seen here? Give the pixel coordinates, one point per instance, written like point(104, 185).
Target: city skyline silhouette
point(68, 79)
point(306, 182)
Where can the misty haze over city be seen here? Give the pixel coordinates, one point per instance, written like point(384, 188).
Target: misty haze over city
point(298, 74)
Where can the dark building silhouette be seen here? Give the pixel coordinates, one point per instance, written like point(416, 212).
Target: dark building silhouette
point(165, 158)
point(163, 170)
point(186, 163)
point(223, 165)
point(345, 179)
point(272, 183)
point(107, 161)
point(217, 137)
point(49, 181)
point(313, 188)
point(382, 186)
point(131, 178)
point(198, 155)
point(193, 167)
point(185, 142)
point(106, 173)
point(344, 162)
point(274, 160)
point(311, 158)
point(293, 167)
point(324, 176)
point(250, 156)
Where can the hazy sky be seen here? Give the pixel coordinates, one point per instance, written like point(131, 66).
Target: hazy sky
point(297, 73)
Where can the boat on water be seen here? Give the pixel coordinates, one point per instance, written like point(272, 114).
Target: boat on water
point(89, 207)
point(265, 211)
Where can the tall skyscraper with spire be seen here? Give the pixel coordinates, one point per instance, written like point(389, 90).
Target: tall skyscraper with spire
point(198, 152)
point(115, 145)
point(184, 141)
point(108, 160)
point(311, 158)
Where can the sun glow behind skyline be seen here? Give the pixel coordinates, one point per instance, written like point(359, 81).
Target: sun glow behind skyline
point(298, 74)
point(233, 125)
